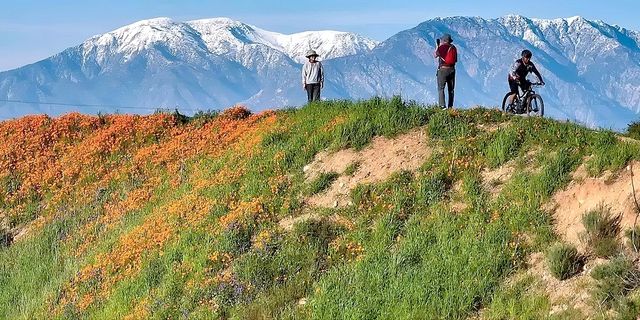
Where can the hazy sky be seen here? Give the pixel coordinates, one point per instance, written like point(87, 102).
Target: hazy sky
point(31, 30)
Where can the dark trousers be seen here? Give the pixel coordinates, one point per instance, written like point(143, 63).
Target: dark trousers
point(313, 92)
point(524, 85)
point(446, 77)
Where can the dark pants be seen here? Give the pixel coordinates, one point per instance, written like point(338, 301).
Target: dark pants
point(446, 77)
point(313, 91)
point(524, 85)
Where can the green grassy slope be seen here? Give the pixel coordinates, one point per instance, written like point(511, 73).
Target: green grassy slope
point(166, 217)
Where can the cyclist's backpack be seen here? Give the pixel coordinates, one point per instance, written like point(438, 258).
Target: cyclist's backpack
point(451, 57)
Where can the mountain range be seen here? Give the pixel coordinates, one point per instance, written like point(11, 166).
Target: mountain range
point(592, 69)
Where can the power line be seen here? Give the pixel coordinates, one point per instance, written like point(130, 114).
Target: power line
point(63, 104)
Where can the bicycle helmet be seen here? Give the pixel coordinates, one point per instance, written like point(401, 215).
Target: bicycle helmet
point(526, 54)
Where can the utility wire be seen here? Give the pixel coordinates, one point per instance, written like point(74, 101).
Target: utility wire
point(62, 104)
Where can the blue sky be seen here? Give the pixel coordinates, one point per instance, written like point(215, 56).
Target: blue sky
point(31, 30)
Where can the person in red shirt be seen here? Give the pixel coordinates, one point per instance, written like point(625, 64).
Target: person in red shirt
point(447, 56)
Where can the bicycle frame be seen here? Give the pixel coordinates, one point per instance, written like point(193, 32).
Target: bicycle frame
point(522, 97)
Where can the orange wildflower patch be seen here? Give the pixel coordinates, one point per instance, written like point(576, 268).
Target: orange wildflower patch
point(125, 259)
point(67, 162)
point(74, 156)
point(243, 212)
point(334, 123)
point(113, 212)
point(140, 311)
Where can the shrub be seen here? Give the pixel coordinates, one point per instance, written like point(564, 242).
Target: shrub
point(615, 280)
point(628, 308)
point(320, 231)
point(236, 240)
point(432, 188)
point(601, 231)
point(204, 116)
point(564, 260)
point(5, 237)
point(634, 238)
point(322, 182)
point(633, 130)
point(238, 112)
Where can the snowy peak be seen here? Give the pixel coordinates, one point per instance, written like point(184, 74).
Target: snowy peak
point(223, 35)
point(328, 44)
point(126, 42)
point(218, 36)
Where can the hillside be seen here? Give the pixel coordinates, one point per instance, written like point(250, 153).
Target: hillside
point(371, 209)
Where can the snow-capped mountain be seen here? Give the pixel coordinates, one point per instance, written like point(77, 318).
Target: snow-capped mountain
point(225, 36)
point(592, 69)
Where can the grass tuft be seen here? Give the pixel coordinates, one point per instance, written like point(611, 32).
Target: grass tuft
point(633, 237)
point(602, 228)
point(564, 260)
point(633, 130)
point(321, 183)
point(615, 280)
point(6, 237)
point(351, 169)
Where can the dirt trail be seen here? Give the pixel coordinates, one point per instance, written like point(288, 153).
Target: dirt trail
point(377, 162)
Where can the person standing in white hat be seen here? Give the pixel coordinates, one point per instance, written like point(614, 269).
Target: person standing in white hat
point(312, 76)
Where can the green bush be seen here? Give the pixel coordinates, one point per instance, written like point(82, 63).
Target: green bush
point(5, 237)
point(615, 280)
point(628, 308)
point(564, 260)
point(601, 231)
point(432, 188)
point(319, 231)
point(236, 239)
point(634, 238)
point(633, 130)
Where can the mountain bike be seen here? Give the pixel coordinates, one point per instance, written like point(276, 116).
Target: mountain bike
point(528, 102)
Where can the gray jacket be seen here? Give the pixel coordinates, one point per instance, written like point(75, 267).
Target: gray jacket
point(312, 73)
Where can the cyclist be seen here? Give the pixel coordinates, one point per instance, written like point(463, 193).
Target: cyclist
point(518, 74)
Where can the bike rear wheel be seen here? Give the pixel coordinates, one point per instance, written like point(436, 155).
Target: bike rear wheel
point(535, 106)
point(505, 103)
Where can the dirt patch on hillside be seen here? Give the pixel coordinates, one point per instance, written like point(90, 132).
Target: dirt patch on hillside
point(376, 162)
point(494, 180)
point(565, 294)
point(627, 139)
point(586, 193)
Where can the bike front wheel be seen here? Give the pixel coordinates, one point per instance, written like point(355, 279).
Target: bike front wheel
point(535, 106)
point(505, 103)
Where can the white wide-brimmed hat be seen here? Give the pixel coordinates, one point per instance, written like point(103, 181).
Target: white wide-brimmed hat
point(311, 53)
